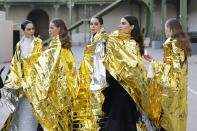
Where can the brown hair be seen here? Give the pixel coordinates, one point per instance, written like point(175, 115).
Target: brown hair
point(63, 34)
point(136, 33)
point(178, 34)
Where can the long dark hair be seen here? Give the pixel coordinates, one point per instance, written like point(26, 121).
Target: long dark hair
point(25, 23)
point(136, 32)
point(63, 34)
point(178, 34)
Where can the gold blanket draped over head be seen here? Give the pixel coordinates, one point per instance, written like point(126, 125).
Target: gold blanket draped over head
point(13, 88)
point(15, 74)
point(87, 111)
point(169, 88)
point(124, 62)
point(51, 84)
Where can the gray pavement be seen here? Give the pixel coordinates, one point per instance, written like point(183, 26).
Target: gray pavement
point(157, 54)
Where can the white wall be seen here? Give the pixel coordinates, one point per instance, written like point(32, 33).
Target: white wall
point(6, 39)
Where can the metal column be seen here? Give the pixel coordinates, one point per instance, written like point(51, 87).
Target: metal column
point(77, 17)
point(183, 14)
point(164, 17)
point(150, 19)
point(70, 6)
point(140, 15)
point(6, 6)
point(56, 7)
point(146, 21)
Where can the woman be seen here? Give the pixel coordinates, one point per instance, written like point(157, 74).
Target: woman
point(127, 92)
point(53, 80)
point(13, 93)
point(92, 80)
point(170, 79)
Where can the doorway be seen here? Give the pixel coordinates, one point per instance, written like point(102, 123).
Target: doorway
point(40, 20)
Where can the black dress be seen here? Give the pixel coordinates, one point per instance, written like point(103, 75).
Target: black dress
point(39, 128)
point(119, 107)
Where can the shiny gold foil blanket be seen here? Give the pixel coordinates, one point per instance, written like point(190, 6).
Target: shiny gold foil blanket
point(169, 88)
point(13, 88)
point(50, 85)
point(124, 62)
point(87, 111)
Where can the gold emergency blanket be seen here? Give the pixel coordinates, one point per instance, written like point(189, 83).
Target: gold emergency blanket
point(51, 84)
point(124, 62)
point(13, 89)
point(169, 88)
point(12, 86)
point(87, 111)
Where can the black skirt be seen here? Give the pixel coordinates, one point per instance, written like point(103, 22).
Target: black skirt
point(120, 108)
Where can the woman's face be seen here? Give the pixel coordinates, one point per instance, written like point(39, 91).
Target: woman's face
point(95, 25)
point(167, 31)
point(125, 26)
point(53, 30)
point(29, 30)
